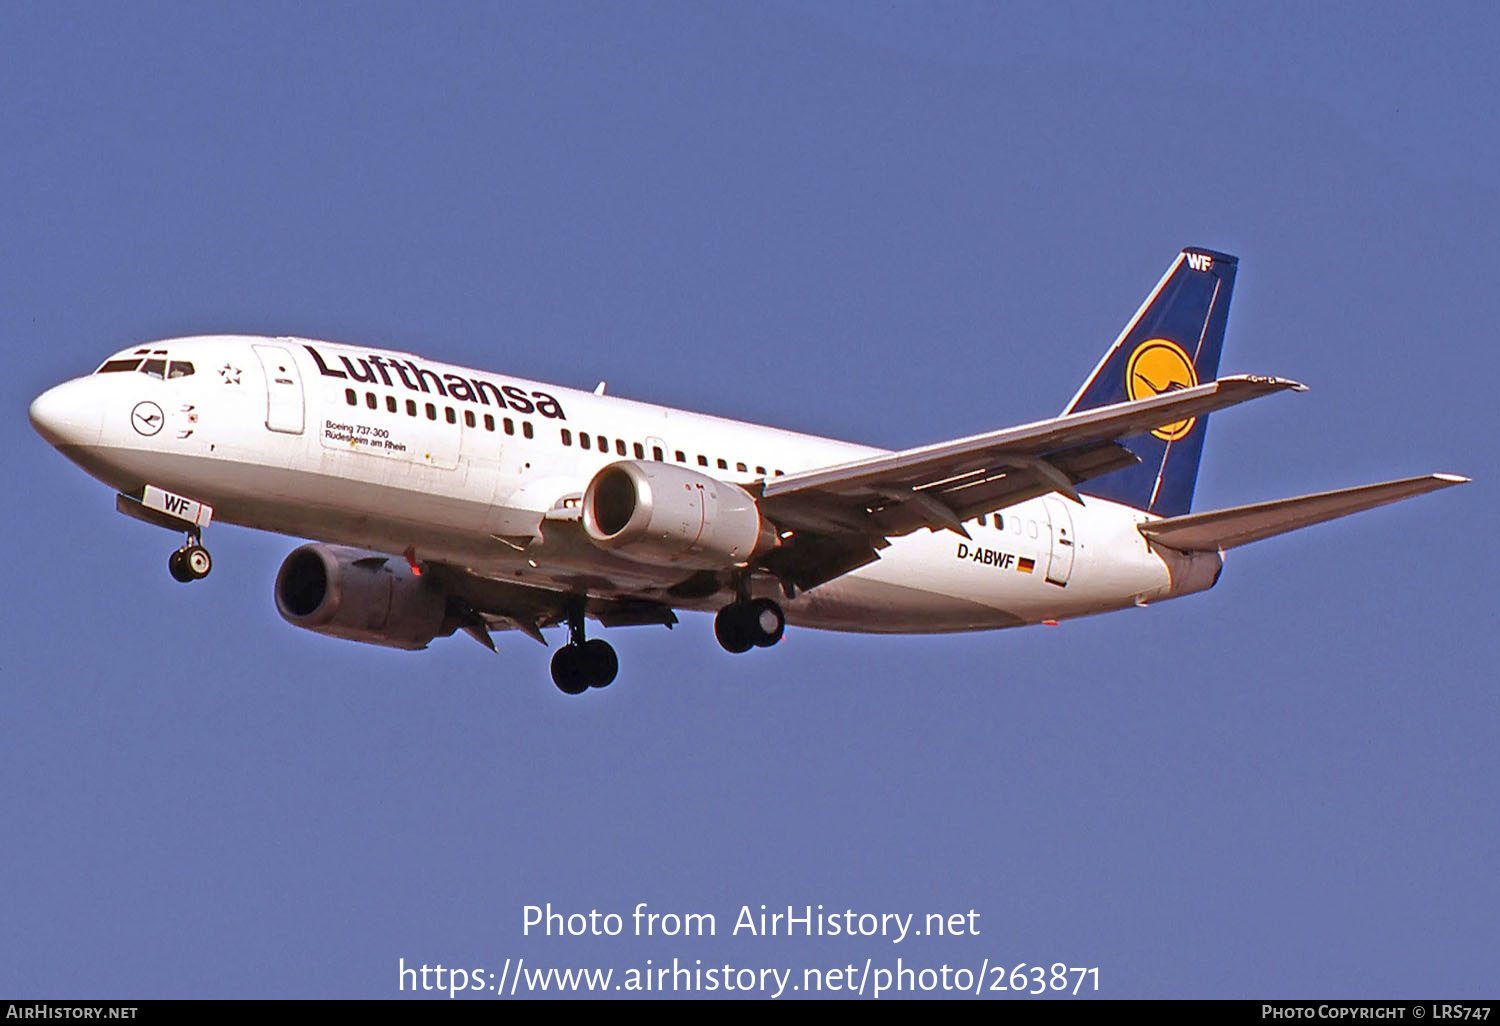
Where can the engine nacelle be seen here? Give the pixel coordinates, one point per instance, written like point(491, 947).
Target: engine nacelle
point(667, 515)
point(359, 595)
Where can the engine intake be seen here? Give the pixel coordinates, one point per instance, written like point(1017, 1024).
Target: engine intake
point(361, 596)
point(667, 515)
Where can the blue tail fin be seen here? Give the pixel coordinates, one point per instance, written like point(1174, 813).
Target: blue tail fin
point(1173, 342)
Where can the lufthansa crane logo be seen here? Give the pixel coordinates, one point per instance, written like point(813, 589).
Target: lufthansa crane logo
point(146, 418)
point(1158, 366)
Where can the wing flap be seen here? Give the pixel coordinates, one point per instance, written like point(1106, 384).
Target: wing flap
point(497, 604)
point(1241, 525)
point(995, 487)
point(804, 561)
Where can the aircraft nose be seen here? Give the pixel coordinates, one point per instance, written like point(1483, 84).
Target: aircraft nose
point(68, 414)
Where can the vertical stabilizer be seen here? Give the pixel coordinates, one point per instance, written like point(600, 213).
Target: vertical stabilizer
point(1173, 342)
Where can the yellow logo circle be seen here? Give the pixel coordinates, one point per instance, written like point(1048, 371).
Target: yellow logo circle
point(1158, 366)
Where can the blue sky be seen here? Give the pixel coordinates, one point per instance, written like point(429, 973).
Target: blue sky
point(893, 223)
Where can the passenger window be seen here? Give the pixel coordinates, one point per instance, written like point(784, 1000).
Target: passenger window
point(567, 437)
point(780, 474)
point(452, 417)
point(640, 451)
point(350, 397)
point(468, 418)
point(603, 443)
point(155, 368)
point(999, 522)
point(431, 411)
point(583, 439)
point(179, 369)
point(741, 468)
point(723, 463)
point(489, 422)
point(526, 428)
point(1031, 528)
point(370, 400)
point(657, 454)
point(411, 407)
point(390, 404)
point(681, 456)
point(761, 471)
point(702, 460)
point(620, 446)
point(983, 522)
point(510, 426)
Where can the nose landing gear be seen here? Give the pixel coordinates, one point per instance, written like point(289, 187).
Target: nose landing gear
point(191, 562)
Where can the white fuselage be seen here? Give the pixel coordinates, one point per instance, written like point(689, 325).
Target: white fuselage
point(398, 454)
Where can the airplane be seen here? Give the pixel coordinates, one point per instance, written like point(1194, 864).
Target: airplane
point(442, 498)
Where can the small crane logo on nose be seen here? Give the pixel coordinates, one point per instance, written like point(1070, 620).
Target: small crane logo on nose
point(146, 418)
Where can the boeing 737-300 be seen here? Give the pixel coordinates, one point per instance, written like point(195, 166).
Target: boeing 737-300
point(441, 498)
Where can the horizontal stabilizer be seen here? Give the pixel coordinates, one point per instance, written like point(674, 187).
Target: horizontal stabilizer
point(1227, 528)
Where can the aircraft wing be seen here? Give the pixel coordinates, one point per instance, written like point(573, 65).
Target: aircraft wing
point(839, 517)
point(1227, 528)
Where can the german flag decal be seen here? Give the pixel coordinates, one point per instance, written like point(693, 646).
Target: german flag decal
point(1025, 564)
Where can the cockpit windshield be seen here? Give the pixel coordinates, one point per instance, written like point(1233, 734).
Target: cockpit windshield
point(152, 362)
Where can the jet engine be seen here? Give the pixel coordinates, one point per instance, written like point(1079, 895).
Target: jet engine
point(361, 596)
point(667, 515)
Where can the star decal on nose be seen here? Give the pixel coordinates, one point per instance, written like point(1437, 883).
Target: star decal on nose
point(230, 374)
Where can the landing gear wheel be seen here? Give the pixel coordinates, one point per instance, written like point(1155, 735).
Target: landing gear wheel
point(177, 567)
point(766, 621)
point(741, 626)
point(190, 563)
point(733, 628)
point(568, 670)
point(600, 662)
point(197, 561)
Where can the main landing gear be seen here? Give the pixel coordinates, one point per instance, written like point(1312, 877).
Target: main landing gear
point(582, 664)
point(749, 623)
point(191, 562)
